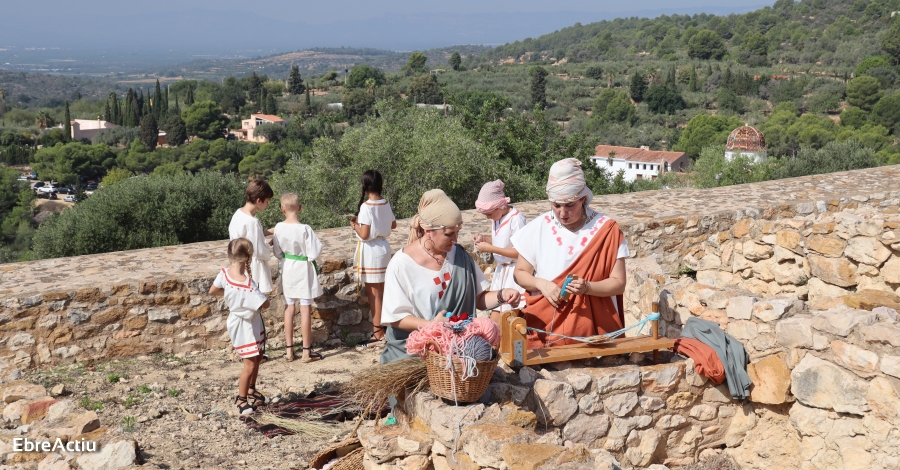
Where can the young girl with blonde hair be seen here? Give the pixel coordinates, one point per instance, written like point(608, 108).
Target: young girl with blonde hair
point(245, 325)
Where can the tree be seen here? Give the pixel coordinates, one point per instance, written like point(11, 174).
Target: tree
point(362, 72)
point(67, 123)
point(727, 99)
point(149, 131)
point(863, 92)
point(176, 134)
point(704, 130)
point(693, 81)
point(890, 42)
point(254, 88)
point(271, 132)
point(638, 86)
point(538, 86)
point(416, 64)
point(114, 176)
point(425, 89)
point(44, 120)
point(271, 106)
point(455, 60)
point(267, 160)
point(706, 45)
point(359, 104)
point(157, 103)
point(189, 100)
point(854, 117)
point(755, 43)
point(870, 63)
point(620, 109)
point(670, 78)
point(204, 119)
point(185, 209)
point(664, 100)
point(595, 72)
point(66, 162)
point(295, 82)
point(308, 103)
point(887, 111)
point(833, 157)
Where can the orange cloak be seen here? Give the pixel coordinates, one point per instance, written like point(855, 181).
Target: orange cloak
point(581, 315)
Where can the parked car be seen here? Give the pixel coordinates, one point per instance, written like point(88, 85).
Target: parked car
point(90, 187)
point(37, 185)
point(48, 188)
point(32, 176)
point(70, 198)
point(47, 195)
point(22, 178)
point(65, 190)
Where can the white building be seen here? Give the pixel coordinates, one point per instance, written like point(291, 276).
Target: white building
point(746, 141)
point(639, 163)
point(87, 128)
point(246, 132)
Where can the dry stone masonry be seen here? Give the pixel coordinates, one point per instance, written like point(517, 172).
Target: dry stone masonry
point(804, 272)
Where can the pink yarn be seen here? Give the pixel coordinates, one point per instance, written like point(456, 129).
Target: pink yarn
point(445, 338)
point(491, 197)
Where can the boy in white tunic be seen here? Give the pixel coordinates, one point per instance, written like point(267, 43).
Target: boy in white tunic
point(506, 221)
point(244, 224)
point(244, 324)
point(298, 246)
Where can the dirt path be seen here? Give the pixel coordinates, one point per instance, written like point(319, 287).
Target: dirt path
point(180, 409)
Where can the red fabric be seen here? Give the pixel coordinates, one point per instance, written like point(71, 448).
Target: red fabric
point(706, 361)
point(582, 315)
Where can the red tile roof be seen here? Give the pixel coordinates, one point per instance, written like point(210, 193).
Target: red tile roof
point(633, 154)
point(267, 117)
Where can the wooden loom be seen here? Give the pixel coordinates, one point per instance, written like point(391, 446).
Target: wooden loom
point(514, 344)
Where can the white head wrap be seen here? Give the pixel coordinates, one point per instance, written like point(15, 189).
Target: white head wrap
point(436, 210)
point(566, 182)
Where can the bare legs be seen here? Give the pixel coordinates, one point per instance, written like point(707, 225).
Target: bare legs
point(306, 328)
point(375, 294)
point(248, 374)
point(289, 312)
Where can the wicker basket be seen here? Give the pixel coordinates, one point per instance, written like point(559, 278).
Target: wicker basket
point(442, 384)
point(343, 449)
point(351, 461)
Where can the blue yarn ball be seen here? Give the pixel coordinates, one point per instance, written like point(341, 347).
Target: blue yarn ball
point(479, 349)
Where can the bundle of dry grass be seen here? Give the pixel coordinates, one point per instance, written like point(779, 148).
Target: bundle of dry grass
point(307, 428)
point(371, 388)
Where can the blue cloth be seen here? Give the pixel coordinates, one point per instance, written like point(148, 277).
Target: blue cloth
point(730, 351)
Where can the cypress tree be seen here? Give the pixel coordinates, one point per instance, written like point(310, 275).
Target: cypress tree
point(175, 130)
point(670, 78)
point(165, 103)
point(271, 107)
point(694, 83)
point(67, 125)
point(189, 99)
point(127, 118)
point(295, 82)
point(149, 131)
point(253, 85)
point(146, 105)
point(638, 86)
point(156, 103)
point(107, 115)
point(138, 110)
point(307, 98)
point(176, 111)
point(263, 94)
point(539, 87)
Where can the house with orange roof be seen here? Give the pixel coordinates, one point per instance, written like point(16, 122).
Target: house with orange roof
point(248, 126)
point(639, 163)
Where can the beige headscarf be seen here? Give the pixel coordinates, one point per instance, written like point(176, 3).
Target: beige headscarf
point(566, 182)
point(436, 210)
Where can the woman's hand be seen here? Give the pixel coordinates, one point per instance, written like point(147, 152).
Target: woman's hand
point(484, 247)
point(550, 290)
point(513, 299)
point(440, 317)
point(577, 286)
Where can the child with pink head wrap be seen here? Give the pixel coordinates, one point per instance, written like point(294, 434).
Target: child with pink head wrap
point(505, 221)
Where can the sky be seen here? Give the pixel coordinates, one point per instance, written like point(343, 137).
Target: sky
point(231, 25)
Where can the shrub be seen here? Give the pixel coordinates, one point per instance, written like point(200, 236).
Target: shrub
point(713, 170)
point(834, 156)
point(662, 99)
point(143, 213)
point(864, 92)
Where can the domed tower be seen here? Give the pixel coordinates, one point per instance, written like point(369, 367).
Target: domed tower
point(747, 141)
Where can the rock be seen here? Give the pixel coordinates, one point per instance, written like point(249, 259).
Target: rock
point(867, 250)
point(527, 375)
point(484, 443)
point(586, 429)
point(621, 427)
point(621, 404)
point(853, 357)
point(836, 271)
point(743, 330)
point(680, 400)
point(795, 332)
point(717, 394)
point(555, 402)
point(742, 228)
point(885, 314)
point(821, 384)
point(827, 246)
point(523, 419)
point(20, 390)
point(446, 420)
point(819, 290)
point(642, 446)
point(661, 378)
point(891, 271)
point(13, 411)
point(60, 409)
point(890, 365)
point(841, 322)
point(743, 421)
point(36, 410)
point(580, 382)
point(618, 379)
point(503, 392)
point(703, 412)
point(787, 239)
point(755, 251)
point(885, 333)
point(773, 309)
point(58, 390)
point(717, 316)
point(740, 307)
point(590, 403)
point(771, 380)
point(884, 400)
point(868, 299)
point(53, 461)
point(382, 447)
point(603, 460)
point(349, 316)
point(119, 454)
point(529, 456)
point(651, 404)
point(670, 421)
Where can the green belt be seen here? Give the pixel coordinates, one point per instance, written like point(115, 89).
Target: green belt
point(301, 258)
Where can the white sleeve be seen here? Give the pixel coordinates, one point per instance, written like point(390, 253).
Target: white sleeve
point(481, 281)
point(391, 212)
point(276, 247)
point(624, 252)
point(397, 303)
point(365, 215)
point(261, 248)
point(254, 299)
point(525, 241)
point(313, 245)
point(236, 229)
point(220, 280)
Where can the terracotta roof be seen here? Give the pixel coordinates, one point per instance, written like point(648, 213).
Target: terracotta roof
point(747, 139)
point(267, 117)
point(633, 154)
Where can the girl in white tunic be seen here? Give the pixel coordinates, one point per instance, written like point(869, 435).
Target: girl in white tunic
point(373, 226)
point(244, 224)
point(298, 246)
point(245, 325)
point(506, 221)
